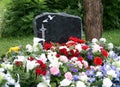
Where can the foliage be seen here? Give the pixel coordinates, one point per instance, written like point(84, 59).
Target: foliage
point(68, 6)
point(111, 17)
point(19, 16)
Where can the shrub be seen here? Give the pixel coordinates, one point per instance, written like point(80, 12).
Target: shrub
point(111, 17)
point(19, 16)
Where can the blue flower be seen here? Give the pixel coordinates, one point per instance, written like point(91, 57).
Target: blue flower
point(75, 77)
point(90, 72)
point(75, 70)
point(59, 74)
point(89, 55)
point(92, 80)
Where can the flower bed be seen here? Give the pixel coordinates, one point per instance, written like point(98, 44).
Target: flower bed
point(73, 64)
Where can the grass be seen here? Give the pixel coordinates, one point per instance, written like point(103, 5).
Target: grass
point(6, 43)
point(112, 36)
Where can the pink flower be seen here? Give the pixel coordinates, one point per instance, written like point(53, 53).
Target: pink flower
point(64, 59)
point(80, 65)
point(68, 76)
point(54, 70)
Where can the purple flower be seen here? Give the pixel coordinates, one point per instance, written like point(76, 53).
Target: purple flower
point(75, 77)
point(59, 74)
point(118, 73)
point(70, 65)
point(92, 80)
point(75, 70)
point(89, 55)
point(113, 67)
point(112, 54)
point(90, 72)
point(103, 69)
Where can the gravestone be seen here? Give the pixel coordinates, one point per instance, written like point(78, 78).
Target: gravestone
point(57, 27)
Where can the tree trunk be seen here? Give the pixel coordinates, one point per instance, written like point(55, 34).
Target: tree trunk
point(93, 19)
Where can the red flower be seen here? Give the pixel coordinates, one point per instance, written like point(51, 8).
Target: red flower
point(63, 52)
point(40, 62)
point(75, 39)
point(47, 45)
point(72, 52)
point(39, 71)
point(104, 53)
point(80, 41)
point(57, 55)
point(43, 72)
point(98, 61)
point(31, 58)
point(85, 47)
point(80, 59)
point(70, 43)
point(43, 66)
point(18, 63)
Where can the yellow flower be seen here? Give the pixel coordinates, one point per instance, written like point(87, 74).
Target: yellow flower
point(15, 49)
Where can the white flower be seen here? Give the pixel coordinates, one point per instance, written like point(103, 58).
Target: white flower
point(36, 40)
point(80, 84)
point(61, 47)
point(111, 73)
point(29, 48)
point(102, 40)
point(42, 84)
point(94, 40)
point(99, 74)
point(30, 65)
point(83, 77)
point(17, 85)
point(78, 47)
point(74, 59)
point(9, 79)
point(10, 67)
point(117, 64)
point(20, 58)
point(96, 48)
point(35, 47)
point(2, 69)
point(42, 58)
point(53, 59)
point(110, 46)
point(65, 82)
point(107, 82)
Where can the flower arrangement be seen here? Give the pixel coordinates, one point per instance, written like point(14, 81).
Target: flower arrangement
point(75, 63)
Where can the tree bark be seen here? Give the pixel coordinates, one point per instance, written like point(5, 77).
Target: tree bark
point(93, 19)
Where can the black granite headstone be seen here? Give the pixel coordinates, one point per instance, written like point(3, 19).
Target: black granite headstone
point(57, 27)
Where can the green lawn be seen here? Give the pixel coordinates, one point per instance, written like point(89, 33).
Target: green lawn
point(6, 43)
point(112, 36)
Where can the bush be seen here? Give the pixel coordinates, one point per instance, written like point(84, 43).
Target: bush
point(20, 14)
point(111, 14)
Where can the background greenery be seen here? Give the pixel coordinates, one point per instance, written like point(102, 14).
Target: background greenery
point(19, 14)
